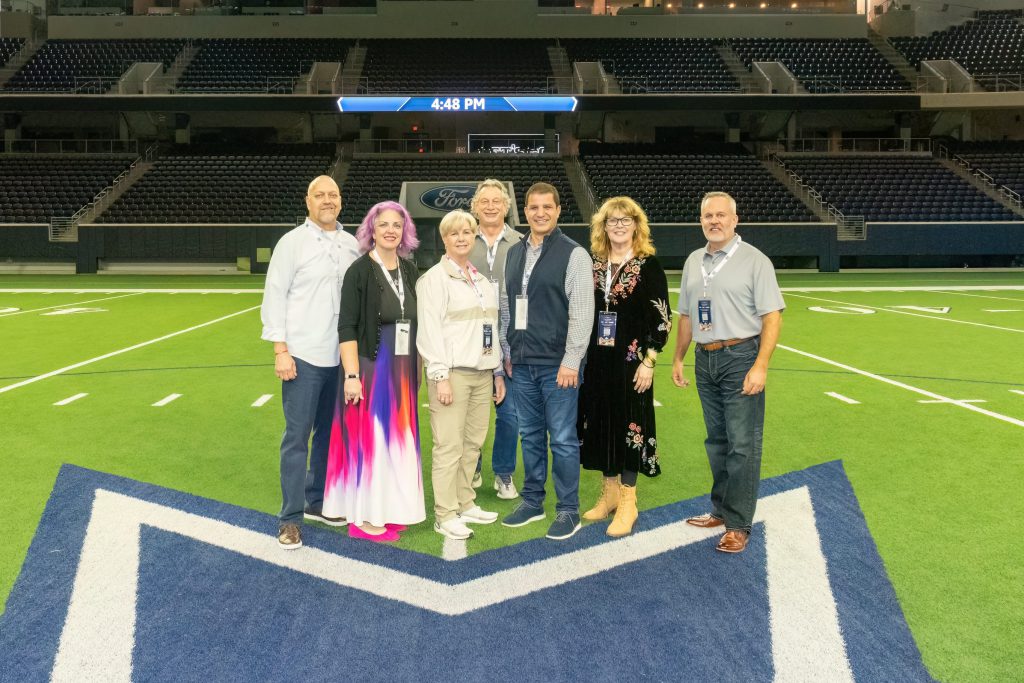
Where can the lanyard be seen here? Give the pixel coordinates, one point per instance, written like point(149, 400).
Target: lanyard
point(492, 251)
point(609, 278)
point(710, 276)
point(399, 287)
point(528, 273)
point(473, 272)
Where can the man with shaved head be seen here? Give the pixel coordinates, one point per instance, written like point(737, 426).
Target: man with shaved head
point(301, 299)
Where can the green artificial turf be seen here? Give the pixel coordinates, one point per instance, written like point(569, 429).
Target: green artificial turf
point(937, 482)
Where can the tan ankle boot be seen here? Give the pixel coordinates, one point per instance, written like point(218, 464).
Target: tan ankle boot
point(608, 501)
point(627, 513)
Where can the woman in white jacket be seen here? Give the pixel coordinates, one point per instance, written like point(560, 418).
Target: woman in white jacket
point(457, 315)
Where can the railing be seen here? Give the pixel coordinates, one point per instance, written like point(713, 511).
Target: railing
point(581, 173)
point(808, 193)
point(94, 85)
point(856, 145)
point(1001, 82)
point(1010, 196)
point(837, 84)
point(71, 147)
point(353, 85)
point(560, 85)
point(408, 146)
point(851, 228)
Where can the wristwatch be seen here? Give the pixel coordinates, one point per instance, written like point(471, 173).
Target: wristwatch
point(351, 375)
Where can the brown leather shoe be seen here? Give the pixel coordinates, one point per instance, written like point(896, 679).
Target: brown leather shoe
point(706, 521)
point(733, 541)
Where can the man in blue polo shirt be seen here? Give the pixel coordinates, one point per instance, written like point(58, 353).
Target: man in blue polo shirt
point(731, 306)
point(547, 312)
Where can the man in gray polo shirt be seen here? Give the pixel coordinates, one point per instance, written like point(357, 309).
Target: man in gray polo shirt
point(731, 307)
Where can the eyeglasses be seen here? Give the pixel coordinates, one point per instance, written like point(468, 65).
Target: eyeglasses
point(625, 221)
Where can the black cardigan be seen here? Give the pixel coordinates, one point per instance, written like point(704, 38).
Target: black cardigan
point(360, 303)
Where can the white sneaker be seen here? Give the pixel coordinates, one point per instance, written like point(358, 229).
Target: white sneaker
point(475, 515)
point(454, 529)
point(506, 490)
point(478, 480)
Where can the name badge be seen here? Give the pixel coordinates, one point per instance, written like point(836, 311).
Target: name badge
point(488, 339)
point(606, 322)
point(403, 331)
point(704, 315)
point(497, 287)
point(521, 312)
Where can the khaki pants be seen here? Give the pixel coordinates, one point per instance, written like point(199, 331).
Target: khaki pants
point(459, 430)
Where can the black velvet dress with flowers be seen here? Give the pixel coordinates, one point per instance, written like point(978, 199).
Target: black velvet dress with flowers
point(616, 424)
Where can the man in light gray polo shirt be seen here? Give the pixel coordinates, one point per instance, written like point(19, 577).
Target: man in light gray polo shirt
point(731, 307)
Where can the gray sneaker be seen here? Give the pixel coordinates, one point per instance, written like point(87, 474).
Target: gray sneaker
point(478, 480)
point(523, 515)
point(566, 524)
point(504, 486)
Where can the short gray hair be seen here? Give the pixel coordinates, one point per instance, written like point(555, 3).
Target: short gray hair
point(451, 221)
point(715, 195)
point(496, 184)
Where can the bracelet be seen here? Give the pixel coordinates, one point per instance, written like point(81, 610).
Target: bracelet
point(351, 376)
point(278, 353)
point(651, 366)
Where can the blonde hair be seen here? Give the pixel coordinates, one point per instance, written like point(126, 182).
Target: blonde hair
point(599, 244)
point(715, 195)
point(496, 184)
point(452, 219)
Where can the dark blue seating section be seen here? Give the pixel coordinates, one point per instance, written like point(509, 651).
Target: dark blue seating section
point(257, 65)
point(1003, 160)
point(897, 188)
point(825, 66)
point(70, 65)
point(990, 44)
point(8, 46)
point(195, 185)
point(464, 66)
point(657, 64)
point(33, 189)
point(669, 183)
point(372, 180)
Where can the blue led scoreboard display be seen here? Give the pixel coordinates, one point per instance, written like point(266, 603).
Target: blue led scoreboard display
point(455, 103)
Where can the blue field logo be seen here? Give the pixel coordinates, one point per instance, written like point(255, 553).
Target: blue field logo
point(448, 197)
point(129, 581)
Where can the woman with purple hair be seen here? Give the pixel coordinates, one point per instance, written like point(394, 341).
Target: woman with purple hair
point(374, 476)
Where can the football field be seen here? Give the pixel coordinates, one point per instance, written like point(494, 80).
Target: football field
point(915, 381)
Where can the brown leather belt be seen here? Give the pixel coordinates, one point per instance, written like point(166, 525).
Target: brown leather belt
point(715, 346)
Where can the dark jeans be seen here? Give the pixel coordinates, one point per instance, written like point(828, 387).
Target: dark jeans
point(735, 426)
point(545, 409)
point(308, 402)
point(506, 435)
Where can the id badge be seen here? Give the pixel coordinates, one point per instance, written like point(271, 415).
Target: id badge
point(704, 315)
point(497, 288)
point(606, 322)
point(488, 339)
point(403, 330)
point(521, 312)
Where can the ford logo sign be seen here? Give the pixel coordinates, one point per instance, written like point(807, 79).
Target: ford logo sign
point(448, 197)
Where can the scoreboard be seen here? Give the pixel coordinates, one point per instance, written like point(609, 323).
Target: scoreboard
point(455, 103)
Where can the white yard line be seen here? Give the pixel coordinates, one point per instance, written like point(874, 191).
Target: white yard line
point(844, 399)
point(1017, 391)
point(59, 371)
point(908, 387)
point(1003, 310)
point(166, 399)
point(979, 296)
point(931, 288)
point(657, 403)
point(959, 400)
point(70, 399)
point(73, 303)
point(262, 400)
point(916, 315)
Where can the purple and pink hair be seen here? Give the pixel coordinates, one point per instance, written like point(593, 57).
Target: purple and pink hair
point(364, 234)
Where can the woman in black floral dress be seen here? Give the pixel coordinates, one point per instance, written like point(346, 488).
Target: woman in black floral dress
point(632, 323)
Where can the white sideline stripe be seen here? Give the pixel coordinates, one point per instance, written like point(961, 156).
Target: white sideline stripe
point(74, 303)
point(454, 549)
point(166, 399)
point(98, 637)
point(1017, 391)
point(958, 400)
point(70, 399)
point(901, 385)
point(981, 296)
point(262, 400)
point(923, 288)
point(657, 403)
point(844, 399)
point(916, 315)
point(59, 371)
point(133, 290)
point(1002, 310)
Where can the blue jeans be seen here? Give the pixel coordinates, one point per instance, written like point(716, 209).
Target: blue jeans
point(545, 409)
point(735, 427)
point(308, 402)
point(506, 435)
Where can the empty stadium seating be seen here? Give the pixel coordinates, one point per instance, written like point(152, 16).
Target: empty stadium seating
point(991, 44)
point(34, 188)
point(463, 66)
point(203, 186)
point(372, 180)
point(88, 66)
point(897, 188)
point(257, 65)
point(669, 184)
point(8, 46)
point(1002, 160)
point(825, 66)
point(657, 64)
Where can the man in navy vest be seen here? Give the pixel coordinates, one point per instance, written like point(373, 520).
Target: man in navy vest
point(547, 312)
